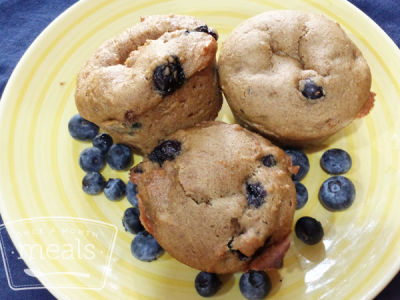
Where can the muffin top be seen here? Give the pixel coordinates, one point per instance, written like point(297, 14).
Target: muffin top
point(218, 198)
point(304, 80)
point(150, 68)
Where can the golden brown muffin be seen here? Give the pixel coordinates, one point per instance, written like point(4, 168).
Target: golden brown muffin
point(152, 79)
point(294, 76)
point(218, 198)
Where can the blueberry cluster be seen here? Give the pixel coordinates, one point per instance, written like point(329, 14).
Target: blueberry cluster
point(144, 246)
point(335, 194)
point(119, 157)
point(93, 159)
point(300, 159)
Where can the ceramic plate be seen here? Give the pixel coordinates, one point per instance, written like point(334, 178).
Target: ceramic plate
point(40, 179)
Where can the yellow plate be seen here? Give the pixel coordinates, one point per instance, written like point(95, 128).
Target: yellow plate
point(40, 176)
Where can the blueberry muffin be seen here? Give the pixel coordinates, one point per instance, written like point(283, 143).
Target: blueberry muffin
point(152, 79)
point(218, 198)
point(304, 80)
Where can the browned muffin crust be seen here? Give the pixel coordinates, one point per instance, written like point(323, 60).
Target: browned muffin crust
point(122, 88)
point(304, 80)
point(211, 203)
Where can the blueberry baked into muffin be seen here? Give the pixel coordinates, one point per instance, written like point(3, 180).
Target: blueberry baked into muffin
point(294, 76)
point(218, 198)
point(152, 79)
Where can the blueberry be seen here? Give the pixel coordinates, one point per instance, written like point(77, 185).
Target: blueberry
point(103, 141)
point(207, 284)
point(311, 90)
point(255, 194)
point(131, 221)
point(93, 183)
point(169, 77)
point(82, 129)
point(301, 194)
point(145, 248)
point(337, 193)
point(167, 150)
point(254, 285)
point(309, 230)
point(115, 189)
point(204, 28)
point(299, 158)
point(119, 157)
point(91, 160)
point(269, 161)
point(131, 192)
point(336, 161)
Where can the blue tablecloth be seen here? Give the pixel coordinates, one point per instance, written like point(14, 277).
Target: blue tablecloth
point(22, 20)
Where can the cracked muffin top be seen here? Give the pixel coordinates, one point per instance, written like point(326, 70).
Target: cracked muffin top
point(304, 80)
point(218, 198)
point(151, 80)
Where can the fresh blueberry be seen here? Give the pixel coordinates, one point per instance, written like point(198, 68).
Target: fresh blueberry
point(115, 189)
point(255, 194)
point(169, 77)
point(309, 230)
point(299, 158)
point(91, 160)
point(145, 248)
point(301, 194)
point(336, 161)
point(119, 157)
point(269, 161)
point(311, 90)
point(103, 141)
point(82, 129)
point(204, 28)
point(255, 285)
point(93, 183)
point(131, 192)
point(131, 221)
point(167, 150)
point(337, 193)
point(207, 284)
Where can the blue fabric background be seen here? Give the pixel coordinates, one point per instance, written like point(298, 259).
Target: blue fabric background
point(21, 21)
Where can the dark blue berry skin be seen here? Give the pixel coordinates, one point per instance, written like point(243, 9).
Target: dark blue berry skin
point(167, 150)
point(299, 158)
point(309, 230)
point(91, 160)
point(115, 189)
point(337, 193)
point(169, 77)
point(82, 129)
point(145, 248)
point(131, 192)
point(336, 161)
point(93, 183)
point(255, 194)
point(311, 90)
point(103, 141)
point(131, 221)
point(268, 161)
point(207, 284)
point(119, 157)
point(301, 194)
point(255, 285)
point(204, 28)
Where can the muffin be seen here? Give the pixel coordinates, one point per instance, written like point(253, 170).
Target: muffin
point(218, 198)
point(152, 79)
point(304, 80)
